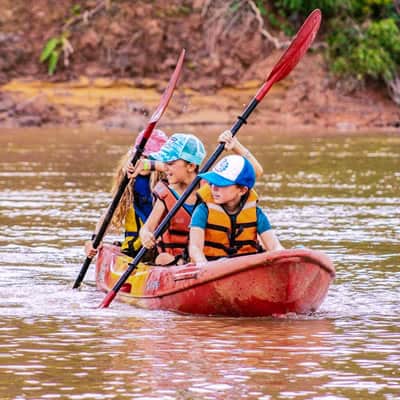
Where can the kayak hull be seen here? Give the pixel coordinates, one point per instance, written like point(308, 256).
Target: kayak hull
point(264, 284)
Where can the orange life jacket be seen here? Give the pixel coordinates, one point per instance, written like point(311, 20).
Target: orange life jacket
point(226, 234)
point(175, 239)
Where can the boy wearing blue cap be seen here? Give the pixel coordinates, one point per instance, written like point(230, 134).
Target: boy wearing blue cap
point(181, 154)
point(228, 221)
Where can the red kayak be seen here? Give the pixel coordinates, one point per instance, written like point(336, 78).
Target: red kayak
point(263, 284)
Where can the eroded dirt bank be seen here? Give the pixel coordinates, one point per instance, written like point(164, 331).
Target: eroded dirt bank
point(301, 102)
point(123, 57)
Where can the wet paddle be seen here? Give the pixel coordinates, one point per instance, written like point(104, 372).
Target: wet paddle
point(139, 150)
point(286, 63)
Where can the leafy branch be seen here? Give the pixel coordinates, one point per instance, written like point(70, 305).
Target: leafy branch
point(60, 44)
point(52, 50)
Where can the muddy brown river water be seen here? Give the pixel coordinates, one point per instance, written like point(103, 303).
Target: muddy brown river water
point(337, 194)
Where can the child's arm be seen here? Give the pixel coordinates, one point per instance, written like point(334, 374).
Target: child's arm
point(270, 241)
point(146, 231)
point(197, 234)
point(267, 236)
point(144, 165)
point(90, 251)
point(196, 245)
point(232, 143)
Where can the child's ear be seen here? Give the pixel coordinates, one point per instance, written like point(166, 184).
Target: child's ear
point(243, 190)
point(192, 167)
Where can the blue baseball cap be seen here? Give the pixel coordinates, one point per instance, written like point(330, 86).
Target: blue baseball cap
point(231, 170)
point(181, 146)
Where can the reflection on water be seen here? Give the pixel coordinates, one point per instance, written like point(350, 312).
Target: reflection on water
point(336, 194)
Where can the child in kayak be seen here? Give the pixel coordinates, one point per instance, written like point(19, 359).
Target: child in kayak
point(182, 156)
point(228, 221)
point(136, 202)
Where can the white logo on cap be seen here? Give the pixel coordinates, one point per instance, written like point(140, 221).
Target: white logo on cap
point(230, 167)
point(222, 165)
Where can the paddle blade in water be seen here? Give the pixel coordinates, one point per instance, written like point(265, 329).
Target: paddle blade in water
point(108, 299)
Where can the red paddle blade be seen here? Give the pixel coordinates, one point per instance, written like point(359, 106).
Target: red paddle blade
point(108, 299)
point(166, 97)
point(289, 59)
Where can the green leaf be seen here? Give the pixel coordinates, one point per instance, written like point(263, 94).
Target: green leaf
point(49, 48)
point(261, 7)
point(53, 62)
point(76, 9)
point(234, 7)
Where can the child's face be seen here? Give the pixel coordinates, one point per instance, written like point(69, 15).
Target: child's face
point(228, 194)
point(178, 171)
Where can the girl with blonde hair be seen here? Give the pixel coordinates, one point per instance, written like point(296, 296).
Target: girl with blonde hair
point(137, 201)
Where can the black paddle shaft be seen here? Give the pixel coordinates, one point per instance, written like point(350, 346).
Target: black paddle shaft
point(166, 97)
point(109, 214)
point(242, 119)
point(285, 64)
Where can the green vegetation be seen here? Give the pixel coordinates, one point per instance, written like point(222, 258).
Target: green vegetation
point(51, 53)
point(52, 50)
point(363, 36)
point(371, 51)
point(60, 44)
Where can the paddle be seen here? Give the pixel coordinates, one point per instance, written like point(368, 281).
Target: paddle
point(286, 63)
point(139, 150)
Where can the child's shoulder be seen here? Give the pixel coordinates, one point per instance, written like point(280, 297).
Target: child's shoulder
point(199, 216)
point(161, 188)
point(204, 193)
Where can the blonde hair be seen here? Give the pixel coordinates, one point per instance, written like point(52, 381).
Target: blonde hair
point(127, 199)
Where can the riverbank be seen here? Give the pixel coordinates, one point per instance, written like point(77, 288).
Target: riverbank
point(304, 101)
point(123, 56)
